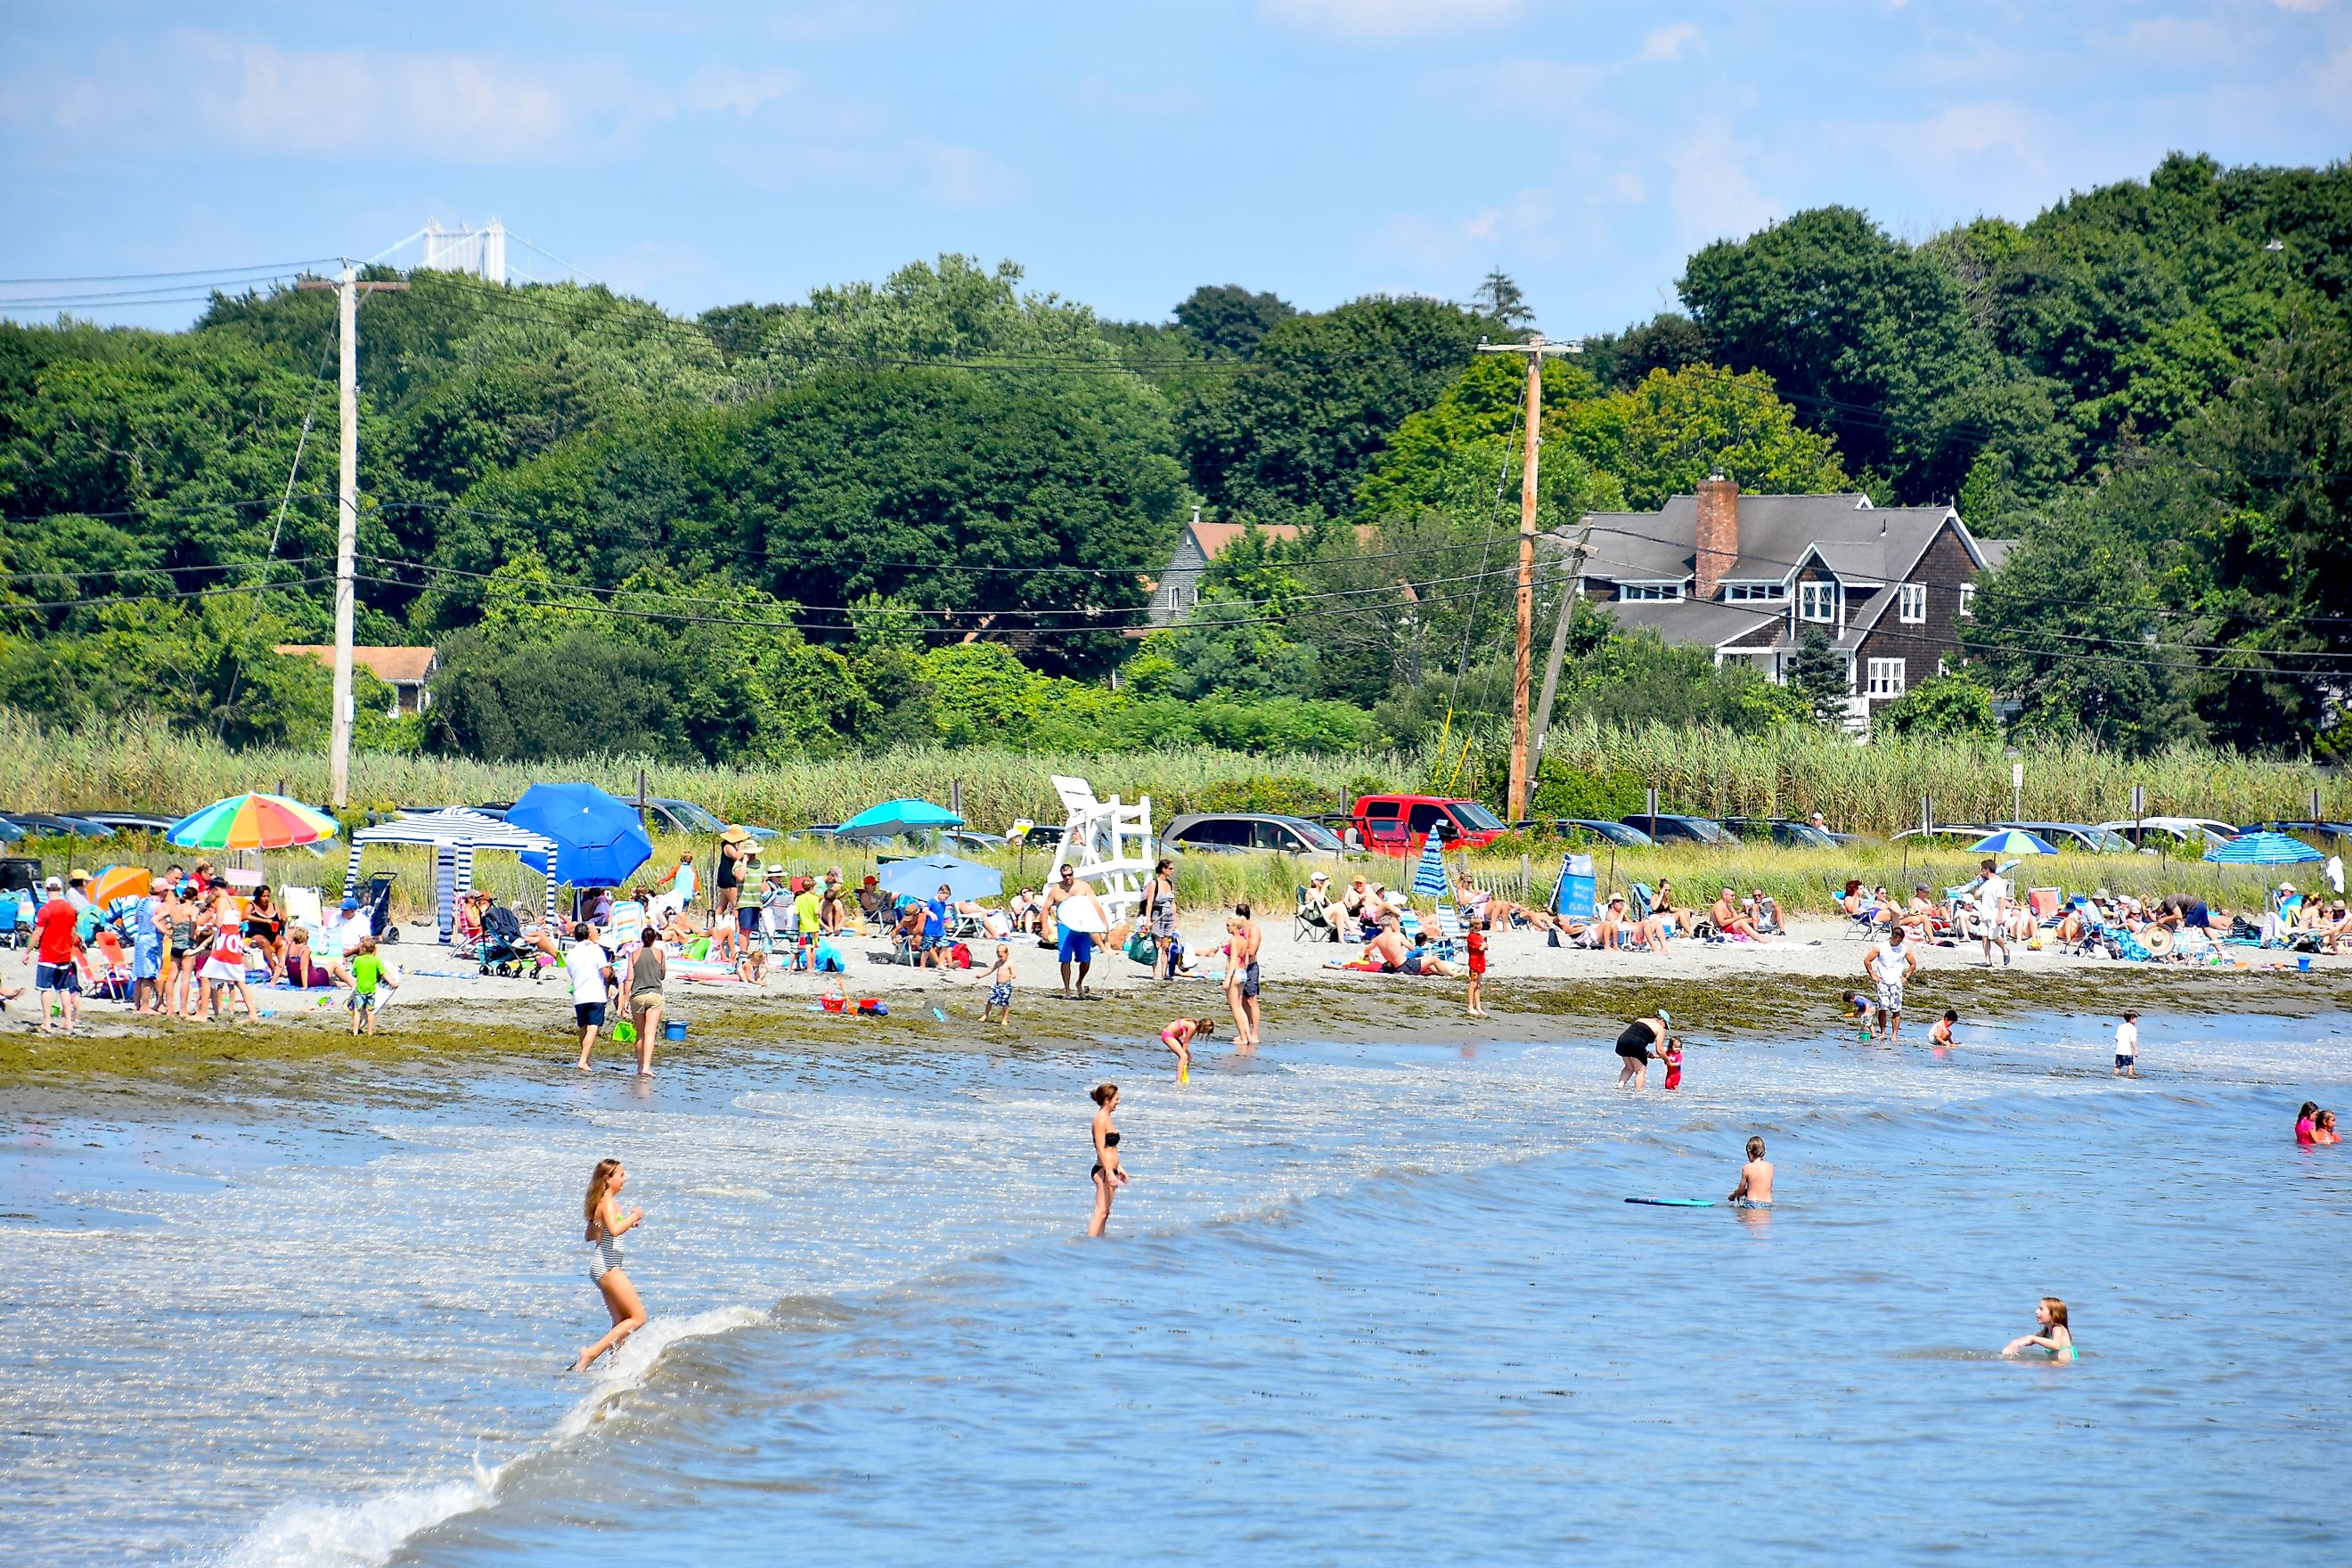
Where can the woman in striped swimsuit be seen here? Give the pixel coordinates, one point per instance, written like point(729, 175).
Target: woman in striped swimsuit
point(606, 1225)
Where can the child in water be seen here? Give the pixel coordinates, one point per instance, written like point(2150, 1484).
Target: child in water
point(1000, 978)
point(1860, 1006)
point(2323, 1128)
point(2054, 1336)
point(1941, 1035)
point(1178, 1036)
point(2307, 1124)
point(1673, 1057)
point(1755, 1188)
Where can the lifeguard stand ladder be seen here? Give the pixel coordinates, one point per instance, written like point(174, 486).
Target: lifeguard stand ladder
point(1109, 845)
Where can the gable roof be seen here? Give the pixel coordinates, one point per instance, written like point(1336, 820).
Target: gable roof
point(1858, 542)
point(393, 666)
point(1211, 538)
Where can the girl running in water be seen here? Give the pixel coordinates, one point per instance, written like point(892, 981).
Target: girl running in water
point(606, 1224)
point(1108, 1177)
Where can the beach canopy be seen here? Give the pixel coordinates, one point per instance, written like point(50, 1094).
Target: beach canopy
point(252, 822)
point(2263, 849)
point(894, 817)
point(1429, 875)
point(599, 839)
point(922, 879)
point(2012, 841)
point(453, 835)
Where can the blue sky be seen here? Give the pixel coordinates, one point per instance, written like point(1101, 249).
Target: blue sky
point(708, 153)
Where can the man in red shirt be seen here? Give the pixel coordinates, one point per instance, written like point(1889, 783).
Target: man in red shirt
point(57, 947)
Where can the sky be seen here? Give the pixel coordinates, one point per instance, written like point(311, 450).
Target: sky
point(1123, 152)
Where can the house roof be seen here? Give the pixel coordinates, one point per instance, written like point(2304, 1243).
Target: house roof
point(1995, 552)
point(1213, 537)
point(1691, 620)
point(1856, 541)
point(393, 666)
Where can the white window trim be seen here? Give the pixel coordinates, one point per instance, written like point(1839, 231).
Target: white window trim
point(1886, 677)
point(1911, 603)
point(1649, 592)
point(1755, 593)
point(1968, 601)
point(1824, 595)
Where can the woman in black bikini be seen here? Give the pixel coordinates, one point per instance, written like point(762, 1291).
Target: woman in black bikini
point(1108, 1177)
point(1633, 1048)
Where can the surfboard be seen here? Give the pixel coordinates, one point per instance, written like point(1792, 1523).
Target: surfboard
point(1676, 1202)
point(1082, 913)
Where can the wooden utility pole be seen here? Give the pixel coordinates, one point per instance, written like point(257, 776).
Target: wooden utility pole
point(348, 288)
point(1535, 348)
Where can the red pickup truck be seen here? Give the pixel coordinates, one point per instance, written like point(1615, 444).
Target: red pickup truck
point(1399, 824)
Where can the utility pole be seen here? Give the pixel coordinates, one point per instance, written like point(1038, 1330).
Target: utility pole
point(1569, 595)
point(1535, 348)
point(348, 288)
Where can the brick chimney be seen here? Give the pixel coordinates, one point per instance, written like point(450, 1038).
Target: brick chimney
point(1718, 532)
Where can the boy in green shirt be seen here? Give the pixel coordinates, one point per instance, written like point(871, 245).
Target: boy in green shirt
point(369, 975)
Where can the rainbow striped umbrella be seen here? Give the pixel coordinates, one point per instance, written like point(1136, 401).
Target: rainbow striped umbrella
point(252, 822)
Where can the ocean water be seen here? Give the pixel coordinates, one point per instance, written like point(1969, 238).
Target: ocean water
point(1363, 1304)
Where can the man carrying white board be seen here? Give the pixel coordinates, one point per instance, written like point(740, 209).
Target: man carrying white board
point(1077, 916)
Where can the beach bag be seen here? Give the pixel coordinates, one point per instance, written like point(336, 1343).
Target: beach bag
point(1139, 948)
point(960, 955)
point(829, 960)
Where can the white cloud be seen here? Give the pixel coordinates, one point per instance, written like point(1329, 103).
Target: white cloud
point(1969, 130)
point(469, 107)
point(1386, 19)
point(958, 176)
point(1667, 43)
point(1098, 95)
point(723, 90)
point(2301, 5)
point(1710, 191)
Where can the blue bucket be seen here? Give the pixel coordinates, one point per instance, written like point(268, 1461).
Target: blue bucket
point(673, 1029)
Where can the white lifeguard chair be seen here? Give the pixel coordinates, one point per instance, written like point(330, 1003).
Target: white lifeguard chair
point(1108, 844)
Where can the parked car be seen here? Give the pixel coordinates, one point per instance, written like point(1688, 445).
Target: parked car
point(2302, 828)
point(2075, 836)
point(46, 825)
point(128, 821)
point(20, 874)
point(2190, 835)
point(1399, 824)
point(667, 814)
point(1683, 829)
point(1782, 830)
point(1943, 835)
point(965, 841)
point(1231, 832)
point(1573, 827)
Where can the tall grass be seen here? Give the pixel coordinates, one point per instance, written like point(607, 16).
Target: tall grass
point(1871, 789)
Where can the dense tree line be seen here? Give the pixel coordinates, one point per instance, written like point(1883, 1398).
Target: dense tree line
point(932, 506)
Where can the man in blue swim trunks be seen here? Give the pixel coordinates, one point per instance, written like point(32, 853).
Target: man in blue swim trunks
point(1073, 947)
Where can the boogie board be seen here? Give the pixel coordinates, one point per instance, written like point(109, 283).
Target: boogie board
point(1676, 1202)
point(1083, 912)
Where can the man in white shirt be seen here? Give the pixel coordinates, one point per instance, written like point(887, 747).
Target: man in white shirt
point(591, 969)
point(1887, 966)
point(1991, 890)
point(2127, 1046)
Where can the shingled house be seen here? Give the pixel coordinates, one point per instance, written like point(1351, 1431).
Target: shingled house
point(1745, 577)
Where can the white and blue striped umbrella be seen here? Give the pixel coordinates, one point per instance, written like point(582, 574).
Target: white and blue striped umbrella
point(1429, 876)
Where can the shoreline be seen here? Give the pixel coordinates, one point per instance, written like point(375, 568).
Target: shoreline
point(448, 1023)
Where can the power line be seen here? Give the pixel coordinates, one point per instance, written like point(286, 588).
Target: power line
point(261, 267)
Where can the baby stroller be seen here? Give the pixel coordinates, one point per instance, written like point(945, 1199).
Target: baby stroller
point(377, 904)
point(504, 953)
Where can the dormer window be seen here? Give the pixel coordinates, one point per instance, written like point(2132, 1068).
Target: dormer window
point(1817, 602)
point(1629, 592)
point(1911, 603)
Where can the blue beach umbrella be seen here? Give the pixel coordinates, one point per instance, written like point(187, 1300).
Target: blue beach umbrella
point(2263, 849)
point(1429, 876)
point(599, 839)
point(894, 817)
point(923, 878)
point(2012, 841)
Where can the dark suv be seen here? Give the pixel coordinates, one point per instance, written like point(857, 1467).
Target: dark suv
point(1781, 830)
point(1229, 831)
point(1673, 830)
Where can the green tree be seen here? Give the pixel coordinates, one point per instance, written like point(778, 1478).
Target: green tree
point(1499, 299)
point(1231, 319)
point(1301, 424)
point(1945, 705)
point(1817, 675)
point(1661, 438)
